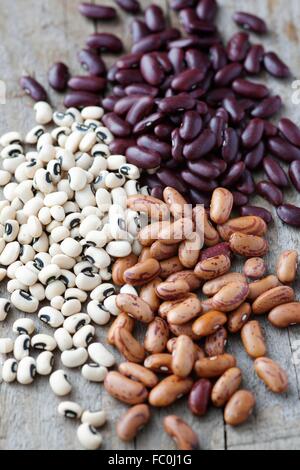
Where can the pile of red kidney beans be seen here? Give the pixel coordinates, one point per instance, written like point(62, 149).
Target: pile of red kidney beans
point(185, 108)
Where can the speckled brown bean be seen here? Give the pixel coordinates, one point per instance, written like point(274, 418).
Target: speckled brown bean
point(142, 273)
point(226, 386)
point(148, 294)
point(209, 367)
point(180, 230)
point(221, 205)
point(128, 346)
point(169, 390)
point(188, 276)
point(248, 245)
point(160, 363)
point(210, 288)
point(208, 323)
point(253, 340)
point(183, 356)
point(189, 250)
point(272, 298)
point(285, 315)
point(172, 290)
point(198, 351)
point(200, 217)
point(239, 407)
point(238, 318)
point(160, 251)
point(176, 203)
point(170, 266)
point(215, 344)
point(212, 268)
point(149, 234)
point(167, 305)
point(263, 285)
point(199, 397)
point(230, 296)
point(135, 371)
point(184, 311)
point(120, 266)
point(286, 268)
point(132, 422)
point(183, 435)
point(273, 376)
point(156, 336)
point(122, 321)
point(185, 329)
point(249, 225)
point(255, 268)
point(207, 305)
point(124, 389)
point(135, 307)
point(154, 208)
point(144, 255)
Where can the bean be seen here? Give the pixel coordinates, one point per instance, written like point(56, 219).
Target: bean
point(274, 172)
point(199, 397)
point(33, 88)
point(271, 298)
point(267, 107)
point(183, 356)
point(80, 99)
point(98, 12)
point(191, 125)
point(215, 343)
point(207, 10)
point(289, 214)
point(254, 58)
point(9, 370)
point(128, 346)
point(139, 109)
point(283, 149)
point(88, 437)
point(131, 6)
point(183, 435)
point(239, 199)
point(192, 24)
point(250, 89)
point(143, 157)
point(226, 386)
point(274, 377)
point(248, 245)
point(253, 133)
point(105, 42)
point(178, 103)
point(275, 66)
point(209, 367)
point(154, 18)
point(203, 168)
point(251, 22)
point(270, 192)
point(169, 390)
point(255, 268)
point(285, 315)
point(99, 354)
point(253, 340)
point(133, 420)
point(124, 389)
point(254, 158)
point(58, 76)
point(294, 174)
point(239, 407)
point(257, 212)
point(238, 47)
point(91, 62)
point(44, 363)
point(233, 174)
point(26, 370)
point(90, 84)
point(70, 409)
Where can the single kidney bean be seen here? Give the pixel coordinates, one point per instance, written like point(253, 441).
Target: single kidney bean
point(79, 99)
point(191, 125)
point(163, 131)
point(275, 173)
point(238, 47)
point(234, 109)
point(283, 149)
point(228, 73)
point(201, 146)
point(127, 76)
point(216, 96)
point(207, 10)
point(274, 65)
point(169, 178)
point(177, 146)
point(148, 123)
point(180, 4)
point(109, 102)
point(33, 88)
point(220, 164)
point(246, 183)
point(192, 24)
point(196, 59)
point(289, 214)
point(151, 70)
point(254, 158)
point(152, 42)
point(198, 182)
point(268, 107)
point(173, 104)
point(131, 6)
point(119, 146)
point(141, 89)
point(250, 89)
point(253, 133)
point(116, 125)
point(204, 168)
point(251, 22)
point(218, 56)
point(270, 129)
point(138, 30)
point(294, 173)
point(199, 397)
point(92, 62)
point(105, 42)
point(239, 199)
point(176, 57)
point(129, 61)
point(58, 76)
point(152, 143)
point(233, 174)
point(98, 12)
point(139, 109)
point(124, 104)
point(254, 58)
point(270, 192)
point(290, 131)
point(217, 125)
point(187, 80)
point(83, 83)
point(143, 158)
point(154, 18)
point(257, 211)
point(230, 145)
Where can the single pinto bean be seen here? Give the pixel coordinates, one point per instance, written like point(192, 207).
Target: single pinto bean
point(187, 276)
point(183, 435)
point(176, 203)
point(120, 266)
point(230, 296)
point(148, 294)
point(255, 268)
point(189, 250)
point(172, 290)
point(215, 344)
point(135, 307)
point(183, 356)
point(176, 232)
point(169, 390)
point(210, 288)
point(154, 208)
point(160, 251)
point(272, 298)
point(285, 315)
point(249, 225)
point(122, 321)
point(209, 367)
point(170, 266)
point(238, 317)
point(124, 389)
point(221, 205)
point(212, 268)
point(239, 407)
point(252, 338)
point(226, 386)
point(139, 373)
point(142, 273)
point(208, 323)
point(248, 245)
point(184, 311)
point(128, 346)
point(156, 336)
point(286, 268)
point(200, 217)
point(271, 374)
point(160, 363)
point(132, 421)
point(199, 397)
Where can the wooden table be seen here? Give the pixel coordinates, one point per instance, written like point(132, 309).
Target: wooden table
point(36, 33)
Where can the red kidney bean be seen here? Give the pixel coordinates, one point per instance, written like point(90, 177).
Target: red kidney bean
point(84, 83)
point(218, 95)
point(230, 145)
point(150, 180)
point(116, 125)
point(141, 89)
point(109, 102)
point(199, 397)
point(138, 30)
point(233, 174)
point(234, 109)
point(201, 146)
point(169, 178)
point(119, 91)
point(192, 24)
point(164, 61)
point(152, 143)
point(124, 104)
point(222, 248)
point(254, 58)
point(204, 168)
point(194, 41)
point(151, 70)
point(239, 199)
point(191, 125)
point(173, 104)
point(270, 192)
point(111, 73)
point(177, 146)
point(131, 6)
point(80, 99)
point(254, 158)
point(250, 22)
point(275, 173)
point(238, 47)
point(274, 65)
point(139, 109)
point(253, 133)
point(218, 56)
point(127, 76)
point(33, 88)
point(197, 182)
point(180, 4)
point(250, 89)
point(148, 123)
point(196, 59)
point(92, 62)
point(119, 146)
point(257, 211)
point(289, 214)
point(267, 107)
point(290, 131)
point(201, 108)
point(176, 57)
point(228, 73)
point(150, 43)
point(270, 129)
point(246, 183)
point(157, 192)
point(294, 173)
point(217, 125)
point(283, 149)
point(129, 61)
point(187, 80)
point(170, 34)
point(154, 18)
point(220, 164)
point(98, 12)
point(105, 42)
point(143, 158)
point(58, 76)
point(163, 131)
point(207, 10)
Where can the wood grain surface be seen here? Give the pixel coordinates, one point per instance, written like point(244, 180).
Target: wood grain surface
point(36, 33)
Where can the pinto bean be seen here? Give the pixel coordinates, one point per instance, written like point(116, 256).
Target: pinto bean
point(230, 296)
point(239, 407)
point(249, 225)
point(169, 390)
point(172, 290)
point(208, 323)
point(209, 367)
point(160, 363)
point(213, 286)
point(226, 386)
point(272, 298)
point(128, 346)
point(248, 245)
point(188, 276)
point(122, 321)
point(183, 435)
point(189, 250)
point(212, 268)
point(124, 389)
point(120, 266)
point(142, 273)
point(221, 205)
point(135, 307)
point(132, 422)
point(215, 344)
point(148, 294)
point(157, 335)
point(253, 340)
point(238, 317)
point(184, 311)
point(255, 268)
point(263, 285)
point(271, 374)
point(139, 373)
point(286, 268)
point(153, 207)
point(183, 356)
point(285, 315)
point(161, 251)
